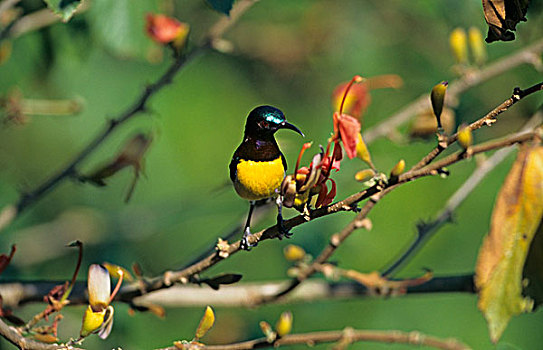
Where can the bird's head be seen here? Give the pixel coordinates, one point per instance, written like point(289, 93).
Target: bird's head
point(264, 121)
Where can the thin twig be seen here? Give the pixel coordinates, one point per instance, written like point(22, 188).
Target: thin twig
point(488, 120)
point(456, 88)
point(26, 344)
point(390, 337)
point(427, 230)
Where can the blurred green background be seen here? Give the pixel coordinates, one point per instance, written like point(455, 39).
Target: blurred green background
point(290, 54)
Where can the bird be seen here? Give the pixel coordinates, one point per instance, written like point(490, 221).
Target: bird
point(258, 167)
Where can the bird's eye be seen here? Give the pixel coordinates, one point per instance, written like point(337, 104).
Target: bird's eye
point(264, 124)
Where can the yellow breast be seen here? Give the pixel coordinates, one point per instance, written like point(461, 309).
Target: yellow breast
point(258, 180)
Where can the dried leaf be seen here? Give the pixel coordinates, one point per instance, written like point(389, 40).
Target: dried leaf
point(516, 216)
point(502, 17)
point(206, 323)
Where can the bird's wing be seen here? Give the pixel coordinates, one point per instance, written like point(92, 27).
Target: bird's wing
point(284, 160)
point(234, 167)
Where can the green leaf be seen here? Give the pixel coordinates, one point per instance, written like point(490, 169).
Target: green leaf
point(516, 216)
point(64, 8)
point(119, 25)
point(222, 6)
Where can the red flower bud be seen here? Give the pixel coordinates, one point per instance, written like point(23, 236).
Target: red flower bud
point(165, 30)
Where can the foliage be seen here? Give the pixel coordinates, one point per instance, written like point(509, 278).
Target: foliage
point(121, 73)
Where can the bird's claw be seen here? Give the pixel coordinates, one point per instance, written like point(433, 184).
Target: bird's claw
point(283, 231)
point(245, 244)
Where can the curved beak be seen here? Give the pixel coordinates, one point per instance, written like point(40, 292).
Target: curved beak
point(287, 125)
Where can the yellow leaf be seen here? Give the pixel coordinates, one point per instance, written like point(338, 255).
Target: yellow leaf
point(206, 323)
point(362, 151)
point(459, 45)
point(516, 216)
point(115, 271)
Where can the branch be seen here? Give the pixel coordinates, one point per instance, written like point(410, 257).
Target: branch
point(427, 230)
point(487, 120)
point(26, 344)
point(337, 239)
point(137, 107)
point(347, 336)
point(526, 55)
point(16, 294)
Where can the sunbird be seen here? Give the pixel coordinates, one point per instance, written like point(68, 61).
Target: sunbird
point(258, 166)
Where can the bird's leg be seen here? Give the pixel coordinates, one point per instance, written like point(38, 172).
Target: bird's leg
point(245, 245)
point(283, 231)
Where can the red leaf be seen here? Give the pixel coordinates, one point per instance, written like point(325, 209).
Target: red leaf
point(4, 259)
point(337, 156)
point(331, 195)
point(349, 128)
point(326, 197)
point(322, 195)
point(357, 99)
point(164, 29)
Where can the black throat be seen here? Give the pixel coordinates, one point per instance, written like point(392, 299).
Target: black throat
point(263, 148)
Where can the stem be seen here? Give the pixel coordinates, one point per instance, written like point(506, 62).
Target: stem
point(348, 334)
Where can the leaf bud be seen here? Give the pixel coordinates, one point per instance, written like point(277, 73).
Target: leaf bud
point(465, 138)
point(206, 323)
point(398, 169)
point(268, 331)
point(99, 287)
point(284, 324)
point(362, 151)
point(459, 45)
point(293, 252)
point(477, 46)
point(437, 96)
point(364, 175)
